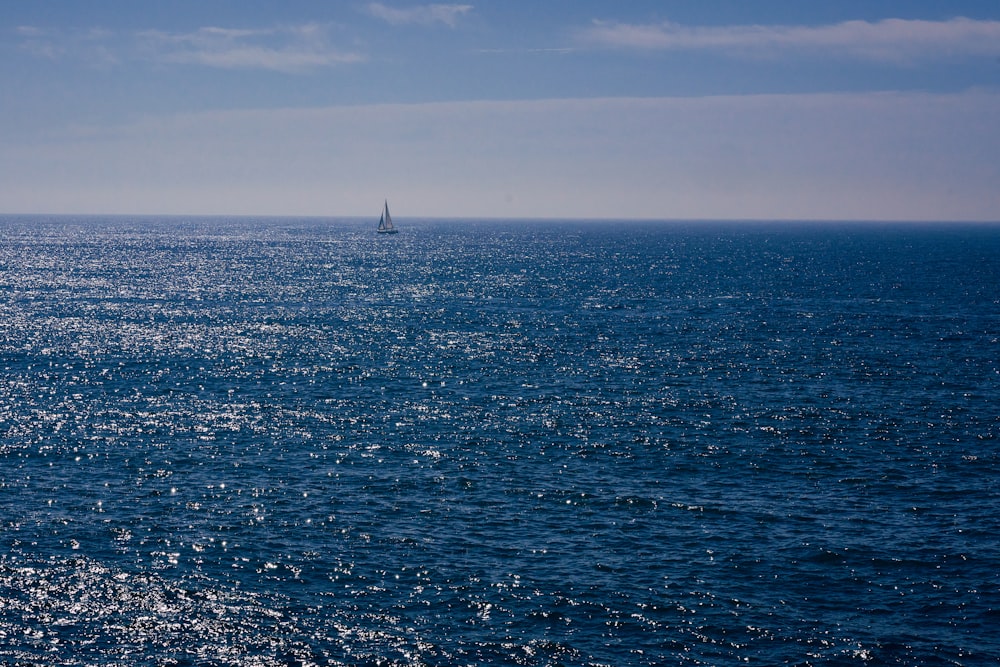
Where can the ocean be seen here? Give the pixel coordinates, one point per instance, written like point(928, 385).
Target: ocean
point(295, 442)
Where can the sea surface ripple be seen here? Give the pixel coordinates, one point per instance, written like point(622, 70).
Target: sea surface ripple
point(279, 441)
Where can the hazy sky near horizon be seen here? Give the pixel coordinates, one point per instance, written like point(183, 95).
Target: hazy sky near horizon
point(773, 109)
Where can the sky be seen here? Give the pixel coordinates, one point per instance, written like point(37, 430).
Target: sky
point(638, 109)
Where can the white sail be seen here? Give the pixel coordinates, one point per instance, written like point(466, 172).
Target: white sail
point(385, 222)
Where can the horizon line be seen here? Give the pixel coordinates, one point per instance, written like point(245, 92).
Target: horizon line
point(452, 218)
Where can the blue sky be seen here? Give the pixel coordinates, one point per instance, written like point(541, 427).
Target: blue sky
point(771, 109)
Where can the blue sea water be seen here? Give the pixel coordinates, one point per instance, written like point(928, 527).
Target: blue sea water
point(292, 442)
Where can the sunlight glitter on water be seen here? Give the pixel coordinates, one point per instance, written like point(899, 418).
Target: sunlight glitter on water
point(258, 445)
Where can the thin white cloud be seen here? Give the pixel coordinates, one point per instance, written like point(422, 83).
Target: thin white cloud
point(560, 50)
point(283, 49)
point(90, 47)
point(39, 42)
point(895, 40)
point(421, 14)
point(29, 31)
point(289, 48)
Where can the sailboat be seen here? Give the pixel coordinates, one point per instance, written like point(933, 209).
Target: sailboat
point(385, 222)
